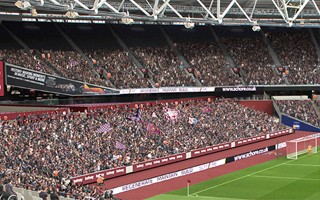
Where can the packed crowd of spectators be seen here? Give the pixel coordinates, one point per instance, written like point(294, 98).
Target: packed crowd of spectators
point(34, 148)
point(209, 63)
point(296, 50)
point(164, 65)
point(252, 56)
point(300, 109)
point(72, 65)
point(25, 59)
point(120, 68)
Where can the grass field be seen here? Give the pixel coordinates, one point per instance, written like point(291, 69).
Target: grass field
point(277, 179)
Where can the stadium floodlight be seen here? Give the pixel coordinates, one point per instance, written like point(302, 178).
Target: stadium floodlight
point(24, 5)
point(33, 12)
point(72, 14)
point(188, 24)
point(41, 2)
point(126, 19)
point(256, 26)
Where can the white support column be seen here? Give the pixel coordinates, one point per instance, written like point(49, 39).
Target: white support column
point(316, 6)
point(155, 7)
point(121, 4)
point(210, 6)
point(206, 9)
point(140, 8)
point(218, 9)
point(227, 9)
point(253, 9)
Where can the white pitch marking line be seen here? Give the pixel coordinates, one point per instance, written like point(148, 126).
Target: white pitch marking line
point(293, 178)
point(304, 165)
point(242, 177)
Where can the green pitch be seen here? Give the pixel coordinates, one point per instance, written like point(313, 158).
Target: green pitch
point(277, 179)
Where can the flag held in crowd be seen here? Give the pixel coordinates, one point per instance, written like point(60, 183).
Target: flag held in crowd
point(193, 120)
point(171, 114)
point(104, 128)
point(136, 115)
point(119, 145)
point(151, 128)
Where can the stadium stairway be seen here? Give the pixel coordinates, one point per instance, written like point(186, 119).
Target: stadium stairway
point(27, 49)
point(180, 56)
point(138, 66)
point(226, 54)
point(276, 108)
point(77, 49)
point(316, 109)
point(271, 51)
point(315, 43)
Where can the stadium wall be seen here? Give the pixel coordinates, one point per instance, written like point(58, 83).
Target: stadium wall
point(180, 182)
point(259, 105)
point(120, 171)
point(298, 124)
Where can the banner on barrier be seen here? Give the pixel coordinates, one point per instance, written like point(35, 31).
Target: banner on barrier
point(30, 79)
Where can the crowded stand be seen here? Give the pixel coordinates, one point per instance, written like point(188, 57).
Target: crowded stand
point(46, 150)
point(252, 56)
point(164, 65)
point(300, 109)
point(25, 59)
point(296, 51)
point(119, 68)
point(71, 64)
point(209, 63)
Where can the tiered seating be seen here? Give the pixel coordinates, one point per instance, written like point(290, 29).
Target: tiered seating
point(301, 109)
point(295, 50)
point(209, 63)
point(75, 145)
point(25, 59)
point(72, 65)
point(119, 66)
point(252, 55)
point(164, 64)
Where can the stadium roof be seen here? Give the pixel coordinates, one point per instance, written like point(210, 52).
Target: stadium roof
point(214, 12)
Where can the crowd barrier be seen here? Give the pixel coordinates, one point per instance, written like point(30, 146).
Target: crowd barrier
point(120, 171)
point(13, 115)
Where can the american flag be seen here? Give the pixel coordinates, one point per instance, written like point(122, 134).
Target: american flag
point(104, 128)
point(119, 145)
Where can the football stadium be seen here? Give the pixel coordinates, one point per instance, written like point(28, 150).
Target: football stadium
point(159, 99)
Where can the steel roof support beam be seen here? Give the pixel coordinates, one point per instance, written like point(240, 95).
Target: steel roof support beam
point(121, 4)
point(316, 6)
point(155, 7)
point(210, 6)
point(163, 6)
point(81, 4)
point(140, 8)
point(174, 10)
point(111, 7)
point(300, 10)
point(280, 11)
point(206, 9)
